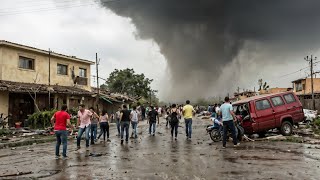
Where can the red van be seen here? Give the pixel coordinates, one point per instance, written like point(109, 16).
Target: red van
point(259, 114)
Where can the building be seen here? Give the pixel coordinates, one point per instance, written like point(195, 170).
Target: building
point(49, 79)
point(243, 95)
point(275, 90)
point(302, 87)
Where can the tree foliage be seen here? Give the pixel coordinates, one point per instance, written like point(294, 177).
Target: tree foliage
point(128, 82)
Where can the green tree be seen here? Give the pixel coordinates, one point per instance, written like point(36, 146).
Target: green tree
point(127, 81)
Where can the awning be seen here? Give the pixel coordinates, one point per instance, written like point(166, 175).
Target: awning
point(106, 99)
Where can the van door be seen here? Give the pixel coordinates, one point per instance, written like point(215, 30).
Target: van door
point(279, 109)
point(293, 107)
point(265, 115)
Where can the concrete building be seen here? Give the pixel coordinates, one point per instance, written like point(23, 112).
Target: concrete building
point(275, 90)
point(28, 74)
point(302, 87)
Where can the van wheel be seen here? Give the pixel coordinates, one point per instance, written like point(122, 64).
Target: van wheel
point(286, 128)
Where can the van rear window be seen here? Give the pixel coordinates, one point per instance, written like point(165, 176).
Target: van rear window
point(277, 101)
point(289, 98)
point(263, 104)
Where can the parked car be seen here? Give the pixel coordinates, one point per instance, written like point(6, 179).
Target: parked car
point(262, 113)
point(309, 115)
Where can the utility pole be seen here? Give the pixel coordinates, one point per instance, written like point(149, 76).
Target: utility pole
point(310, 60)
point(49, 79)
point(98, 88)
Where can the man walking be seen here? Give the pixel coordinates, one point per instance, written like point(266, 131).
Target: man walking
point(118, 120)
point(85, 124)
point(134, 115)
point(60, 120)
point(94, 125)
point(153, 116)
point(188, 112)
point(125, 123)
point(228, 117)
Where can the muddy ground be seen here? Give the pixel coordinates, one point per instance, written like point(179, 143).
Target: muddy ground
point(160, 157)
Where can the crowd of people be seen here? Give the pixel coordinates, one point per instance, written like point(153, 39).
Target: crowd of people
point(88, 121)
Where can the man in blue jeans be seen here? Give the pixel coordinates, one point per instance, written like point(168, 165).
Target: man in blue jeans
point(84, 124)
point(59, 121)
point(125, 123)
point(228, 117)
point(188, 112)
point(153, 116)
point(94, 125)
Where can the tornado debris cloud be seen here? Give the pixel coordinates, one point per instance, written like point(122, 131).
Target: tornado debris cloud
point(200, 38)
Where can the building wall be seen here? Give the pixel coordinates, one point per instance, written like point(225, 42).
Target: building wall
point(12, 72)
point(4, 103)
point(316, 85)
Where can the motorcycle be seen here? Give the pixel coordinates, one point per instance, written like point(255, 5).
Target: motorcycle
point(216, 131)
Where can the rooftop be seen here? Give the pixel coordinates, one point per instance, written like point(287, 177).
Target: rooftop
point(18, 87)
point(29, 48)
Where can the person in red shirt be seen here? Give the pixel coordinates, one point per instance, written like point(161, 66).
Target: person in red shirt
point(59, 121)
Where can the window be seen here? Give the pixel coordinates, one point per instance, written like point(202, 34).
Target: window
point(263, 104)
point(299, 87)
point(26, 63)
point(277, 101)
point(289, 98)
point(62, 69)
point(82, 72)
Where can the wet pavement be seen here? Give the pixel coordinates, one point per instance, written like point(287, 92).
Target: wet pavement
point(160, 157)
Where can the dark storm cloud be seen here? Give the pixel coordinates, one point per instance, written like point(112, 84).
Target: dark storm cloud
point(199, 38)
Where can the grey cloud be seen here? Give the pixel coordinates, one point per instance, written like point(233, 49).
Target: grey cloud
point(200, 38)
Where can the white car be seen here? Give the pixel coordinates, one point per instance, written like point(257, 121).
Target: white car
point(309, 115)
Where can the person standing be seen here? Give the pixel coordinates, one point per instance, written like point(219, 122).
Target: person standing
point(228, 116)
point(125, 123)
point(94, 125)
point(143, 113)
point(104, 126)
point(60, 120)
point(174, 113)
point(188, 112)
point(134, 121)
point(153, 116)
point(84, 124)
point(118, 120)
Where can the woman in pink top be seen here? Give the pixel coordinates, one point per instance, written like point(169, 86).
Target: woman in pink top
point(104, 125)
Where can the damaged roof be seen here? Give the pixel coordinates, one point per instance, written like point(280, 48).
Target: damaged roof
point(114, 97)
point(54, 54)
point(18, 87)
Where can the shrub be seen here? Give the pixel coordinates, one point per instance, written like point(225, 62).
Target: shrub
point(317, 123)
point(40, 120)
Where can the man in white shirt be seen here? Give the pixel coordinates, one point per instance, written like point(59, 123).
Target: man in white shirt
point(134, 121)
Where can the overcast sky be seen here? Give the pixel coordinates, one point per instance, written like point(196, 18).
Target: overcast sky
point(82, 28)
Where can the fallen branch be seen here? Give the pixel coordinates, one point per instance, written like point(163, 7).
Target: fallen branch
point(247, 138)
point(17, 174)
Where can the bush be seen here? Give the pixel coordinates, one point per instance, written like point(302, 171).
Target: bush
point(41, 120)
point(317, 122)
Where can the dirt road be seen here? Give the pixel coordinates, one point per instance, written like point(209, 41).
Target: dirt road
point(160, 157)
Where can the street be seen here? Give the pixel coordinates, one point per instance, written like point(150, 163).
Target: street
point(160, 157)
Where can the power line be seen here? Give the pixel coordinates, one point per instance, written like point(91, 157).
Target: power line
point(17, 12)
point(16, 8)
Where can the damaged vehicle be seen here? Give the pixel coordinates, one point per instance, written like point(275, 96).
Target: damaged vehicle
point(309, 115)
point(260, 114)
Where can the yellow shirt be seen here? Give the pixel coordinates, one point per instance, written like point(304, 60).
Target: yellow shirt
point(188, 111)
